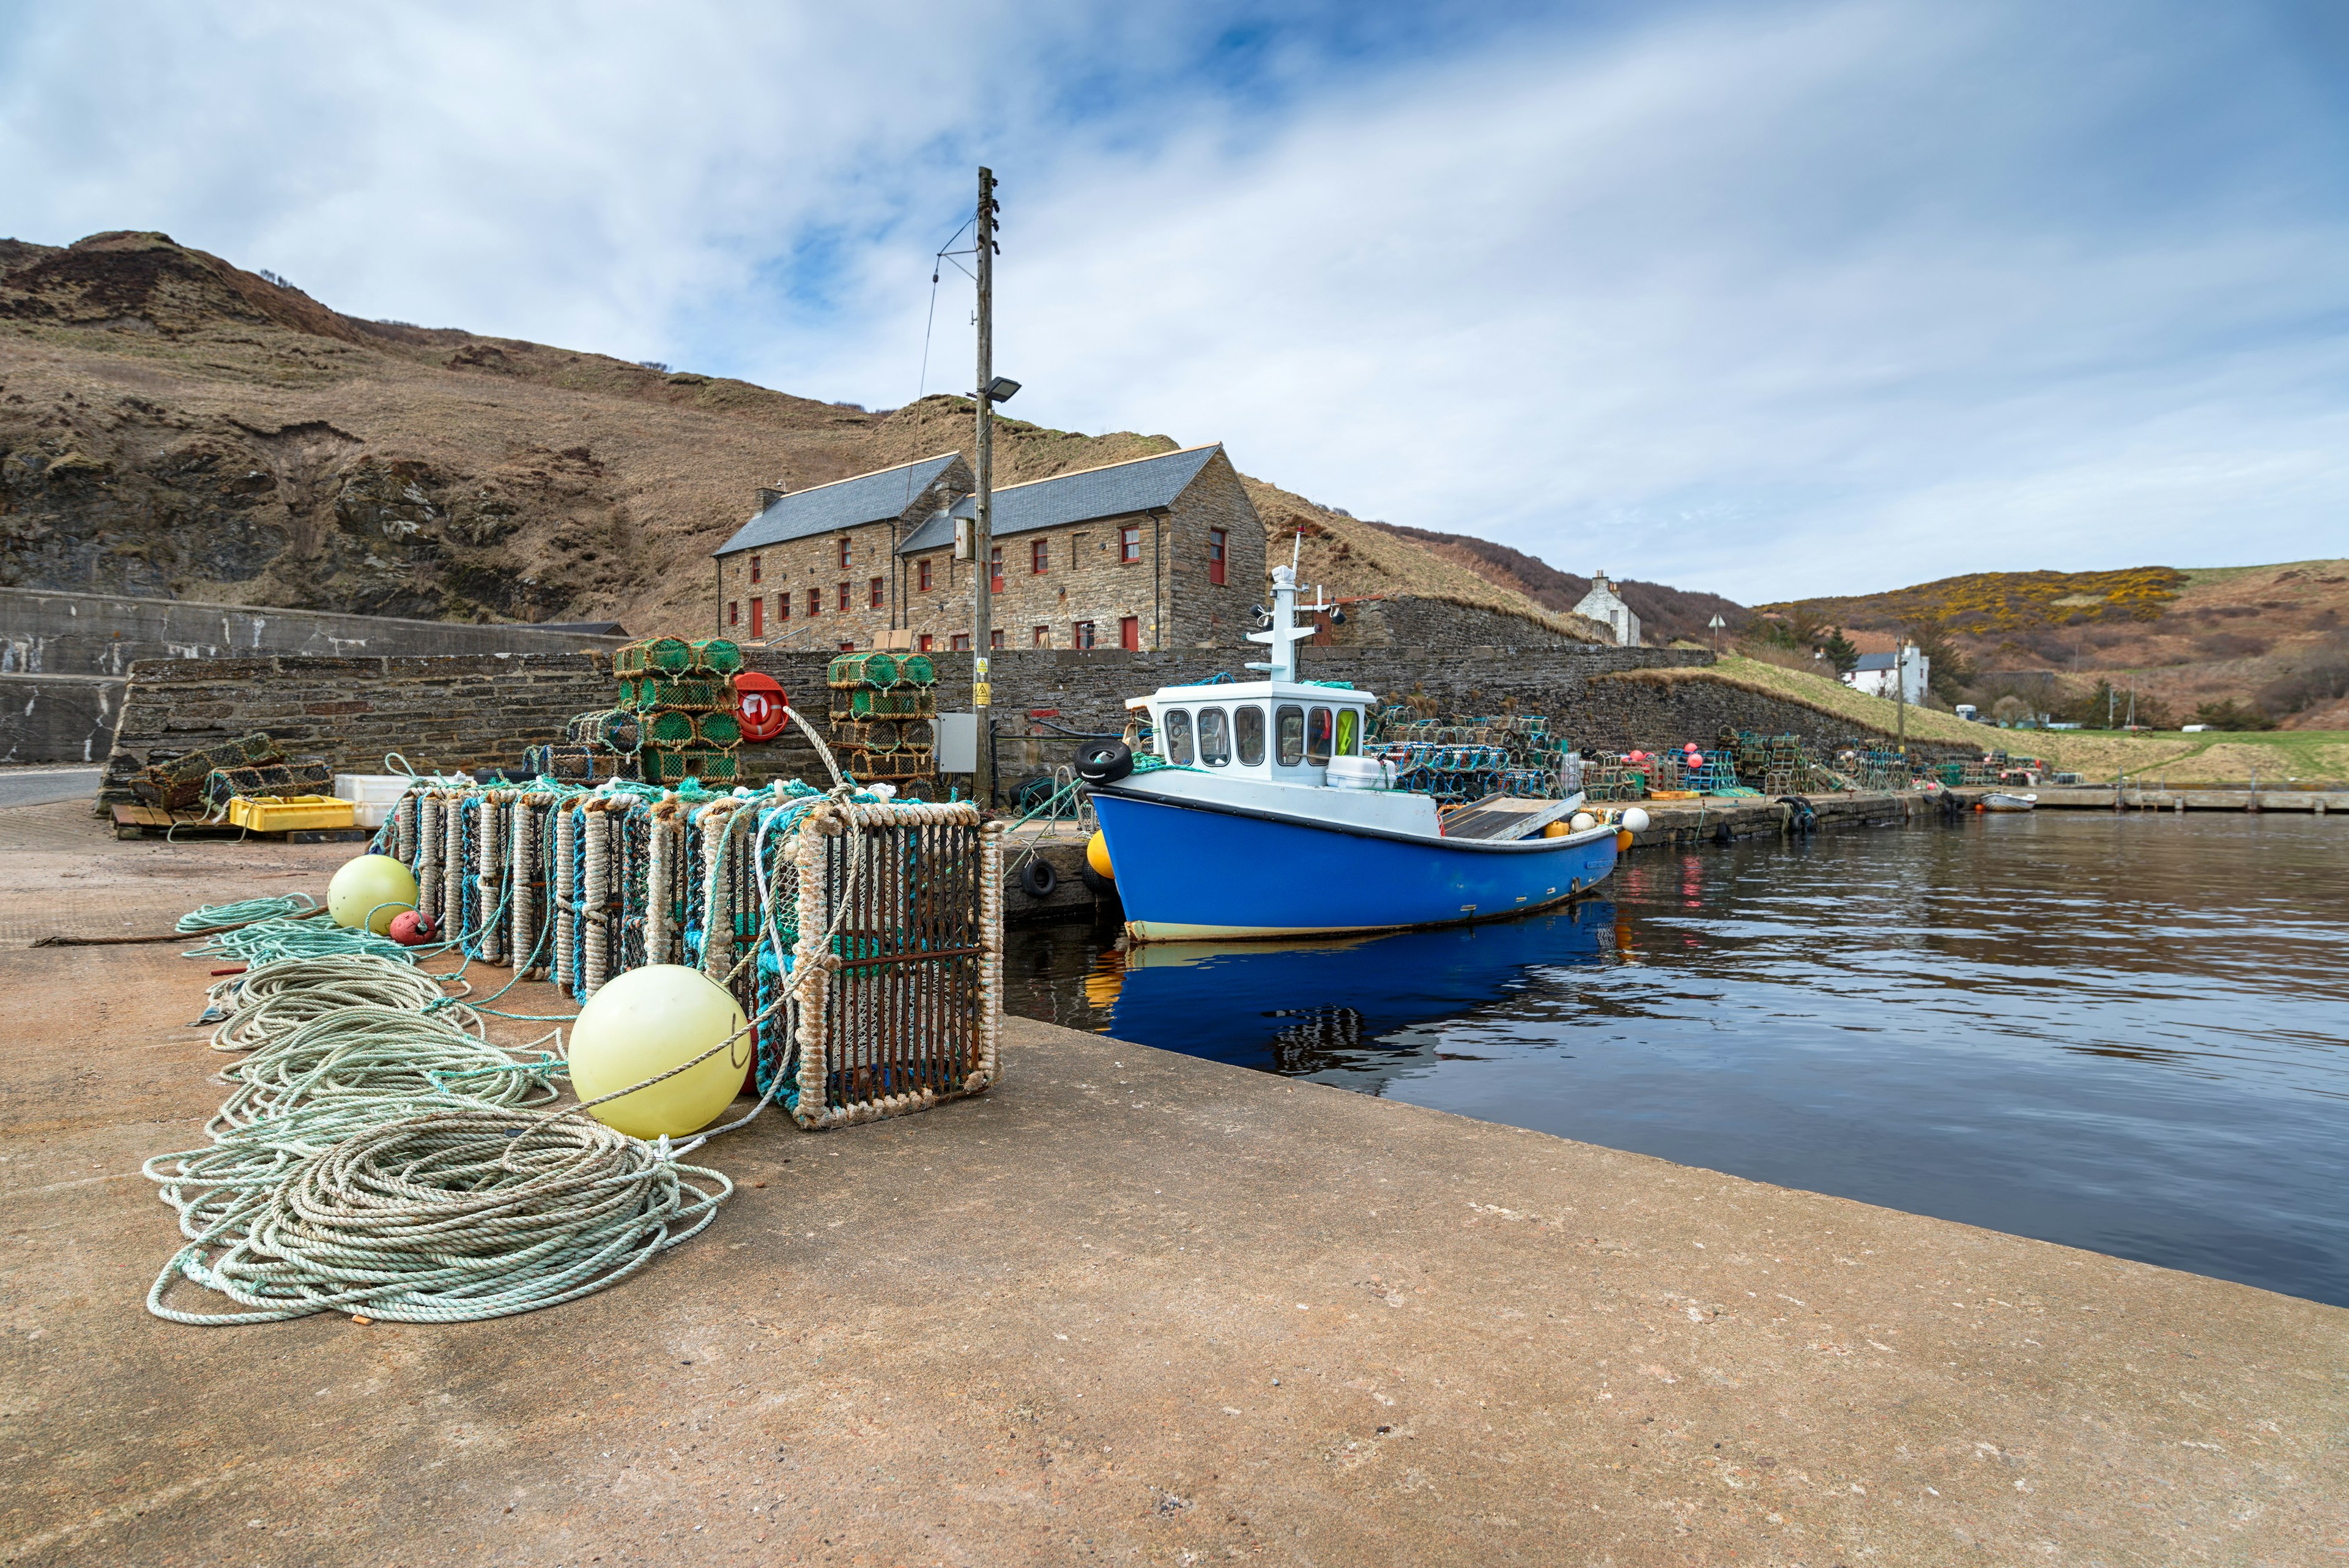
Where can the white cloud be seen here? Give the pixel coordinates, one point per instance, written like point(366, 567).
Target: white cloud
point(1765, 299)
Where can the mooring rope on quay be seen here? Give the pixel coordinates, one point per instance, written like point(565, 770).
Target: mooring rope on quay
point(378, 1156)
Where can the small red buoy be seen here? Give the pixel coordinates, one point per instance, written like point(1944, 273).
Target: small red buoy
point(413, 929)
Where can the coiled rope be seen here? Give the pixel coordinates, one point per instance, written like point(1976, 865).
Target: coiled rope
point(245, 912)
point(266, 941)
point(273, 999)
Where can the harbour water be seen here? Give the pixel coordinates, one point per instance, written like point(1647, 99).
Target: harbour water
point(2129, 1033)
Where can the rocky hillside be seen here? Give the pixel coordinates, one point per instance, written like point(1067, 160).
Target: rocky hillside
point(172, 425)
point(1666, 614)
point(2269, 640)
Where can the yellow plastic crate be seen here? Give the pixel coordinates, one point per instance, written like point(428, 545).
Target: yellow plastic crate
point(261, 814)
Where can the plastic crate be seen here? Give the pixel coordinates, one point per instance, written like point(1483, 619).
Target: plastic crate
point(301, 811)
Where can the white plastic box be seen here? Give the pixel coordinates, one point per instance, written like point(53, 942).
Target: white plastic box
point(374, 795)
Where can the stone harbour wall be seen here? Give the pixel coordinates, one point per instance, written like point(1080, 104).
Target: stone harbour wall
point(481, 710)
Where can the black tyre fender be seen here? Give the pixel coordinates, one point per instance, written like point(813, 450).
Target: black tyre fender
point(1101, 886)
point(1103, 762)
point(1037, 877)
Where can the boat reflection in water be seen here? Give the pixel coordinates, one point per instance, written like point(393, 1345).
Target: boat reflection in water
point(1335, 1005)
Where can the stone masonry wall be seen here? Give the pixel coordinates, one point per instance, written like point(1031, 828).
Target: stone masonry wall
point(482, 711)
point(1085, 579)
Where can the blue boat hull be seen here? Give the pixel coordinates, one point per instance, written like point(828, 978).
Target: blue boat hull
point(1187, 871)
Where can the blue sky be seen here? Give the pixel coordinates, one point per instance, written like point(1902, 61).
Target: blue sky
point(1764, 298)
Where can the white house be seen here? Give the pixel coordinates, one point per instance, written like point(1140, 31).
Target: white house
point(1601, 606)
point(1873, 674)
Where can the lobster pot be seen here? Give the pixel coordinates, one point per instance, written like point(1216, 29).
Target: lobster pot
point(917, 734)
point(689, 693)
point(675, 767)
point(586, 895)
point(916, 669)
point(617, 728)
point(863, 702)
point(720, 731)
point(854, 669)
point(897, 967)
point(669, 727)
point(529, 907)
point(718, 655)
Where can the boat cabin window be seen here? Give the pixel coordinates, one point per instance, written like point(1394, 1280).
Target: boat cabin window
point(1317, 738)
point(1288, 736)
point(1214, 738)
point(1349, 724)
point(1249, 720)
point(1178, 734)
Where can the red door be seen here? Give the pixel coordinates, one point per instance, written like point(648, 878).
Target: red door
point(758, 618)
point(1129, 633)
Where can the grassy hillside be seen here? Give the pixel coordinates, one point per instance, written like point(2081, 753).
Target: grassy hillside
point(2277, 755)
point(172, 425)
point(2275, 637)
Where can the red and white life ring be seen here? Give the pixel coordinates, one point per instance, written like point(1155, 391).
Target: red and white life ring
point(761, 702)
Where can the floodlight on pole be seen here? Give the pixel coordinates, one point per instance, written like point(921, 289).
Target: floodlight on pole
point(1000, 389)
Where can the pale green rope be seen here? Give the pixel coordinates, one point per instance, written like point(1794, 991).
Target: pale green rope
point(269, 941)
point(245, 912)
point(273, 999)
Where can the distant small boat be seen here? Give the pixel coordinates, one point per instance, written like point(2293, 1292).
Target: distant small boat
point(1996, 801)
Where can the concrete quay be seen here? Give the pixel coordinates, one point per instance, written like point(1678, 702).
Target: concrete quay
point(1129, 1307)
point(2153, 797)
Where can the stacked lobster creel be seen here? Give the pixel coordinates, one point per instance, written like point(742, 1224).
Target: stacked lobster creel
point(863, 937)
point(885, 709)
point(682, 695)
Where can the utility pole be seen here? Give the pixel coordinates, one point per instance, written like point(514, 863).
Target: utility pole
point(1901, 689)
point(982, 531)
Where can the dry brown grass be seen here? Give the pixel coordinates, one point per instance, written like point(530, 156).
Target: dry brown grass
point(127, 352)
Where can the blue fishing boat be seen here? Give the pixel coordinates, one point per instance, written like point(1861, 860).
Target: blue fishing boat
point(1256, 814)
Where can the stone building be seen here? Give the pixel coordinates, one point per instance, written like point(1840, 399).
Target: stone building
point(1157, 554)
point(1602, 604)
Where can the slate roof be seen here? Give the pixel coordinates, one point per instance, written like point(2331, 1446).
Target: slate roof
point(1873, 661)
point(868, 498)
point(1111, 492)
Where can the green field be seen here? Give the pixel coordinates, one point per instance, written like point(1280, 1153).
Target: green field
point(2277, 756)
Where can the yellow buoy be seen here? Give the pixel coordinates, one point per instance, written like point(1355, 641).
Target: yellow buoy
point(646, 1021)
point(1557, 830)
point(1623, 839)
point(372, 888)
point(1097, 856)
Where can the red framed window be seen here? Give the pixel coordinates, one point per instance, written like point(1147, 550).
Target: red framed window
point(995, 640)
point(815, 603)
point(754, 568)
point(1083, 634)
point(733, 613)
point(962, 642)
point(1040, 557)
point(758, 618)
point(877, 584)
point(928, 642)
point(844, 551)
point(847, 648)
point(922, 571)
point(1129, 633)
point(1216, 556)
point(1039, 637)
point(844, 595)
point(994, 568)
point(782, 605)
point(1129, 545)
